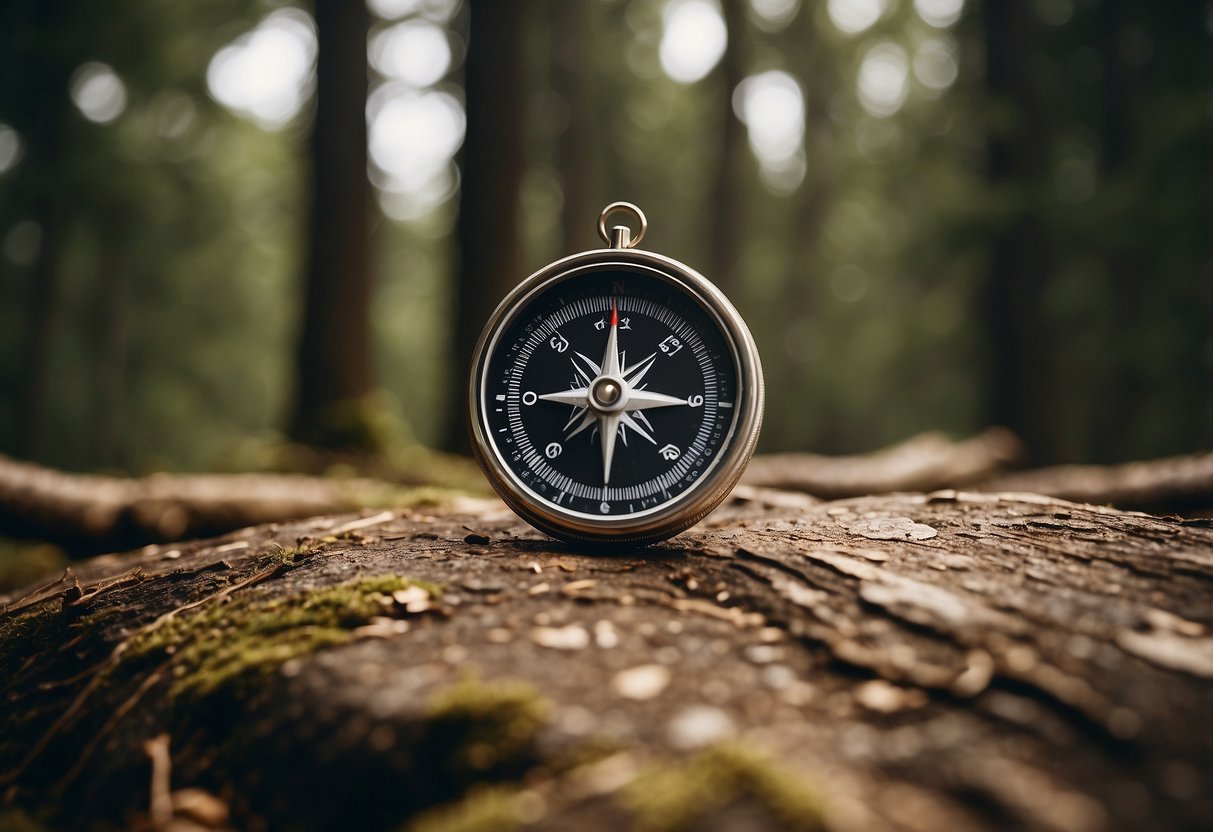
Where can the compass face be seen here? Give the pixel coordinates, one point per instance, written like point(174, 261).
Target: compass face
point(611, 393)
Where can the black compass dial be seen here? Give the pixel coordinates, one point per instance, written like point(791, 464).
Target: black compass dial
point(611, 393)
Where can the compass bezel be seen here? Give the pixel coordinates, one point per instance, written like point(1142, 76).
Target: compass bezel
point(718, 478)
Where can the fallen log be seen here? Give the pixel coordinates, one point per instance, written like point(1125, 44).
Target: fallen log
point(1171, 484)
point(89, 513)
point(924, 462)
point(908, 662)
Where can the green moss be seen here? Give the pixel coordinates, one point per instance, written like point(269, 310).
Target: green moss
point(486, 728)
point(229, 645)
point(668, 798)
point(483, 810)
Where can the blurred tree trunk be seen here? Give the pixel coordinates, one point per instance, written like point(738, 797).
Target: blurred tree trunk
point(491, 174)
point(1021, 379)
point(727, 206)
point(333, 361)
point(1122, 254)
point(42, 77)
point(818, 81)
point(43, 318)
point(112, 339)
point(571, 81)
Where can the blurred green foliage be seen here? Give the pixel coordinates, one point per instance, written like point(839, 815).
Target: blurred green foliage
point(179, 240)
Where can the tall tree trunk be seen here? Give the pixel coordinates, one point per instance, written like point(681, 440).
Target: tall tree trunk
point(489, 249)
point(1021, 382)
point(44, 312)
point(728, 197)
point(1122, 257)
point(571, 81)
point(43, 103)
point(818, 80)
point(333, 361)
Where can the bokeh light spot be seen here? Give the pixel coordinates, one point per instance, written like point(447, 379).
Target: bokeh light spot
point(883, 79)
point(939, 13)
point(268, 73)
point(413, 140)
point(10, 148)
point(98, 92)
point(415, 52)
point(439, 11)
point(772, 107)
point(849, 283)
point(854, 16)
point(935, 64)
point(693, 39)
point(774, 15)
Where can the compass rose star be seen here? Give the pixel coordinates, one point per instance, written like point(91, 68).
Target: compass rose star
point(612, 399)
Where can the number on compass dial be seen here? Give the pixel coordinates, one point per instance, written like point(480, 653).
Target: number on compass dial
point(611, 394)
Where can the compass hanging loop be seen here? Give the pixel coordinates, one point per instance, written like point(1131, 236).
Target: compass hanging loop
point(620, 236)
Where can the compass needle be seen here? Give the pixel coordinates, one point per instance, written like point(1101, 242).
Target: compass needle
point(646, 400)
point(607, 428)
point(577, 398)
point(610, 361)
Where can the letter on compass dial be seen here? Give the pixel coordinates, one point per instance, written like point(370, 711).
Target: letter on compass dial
point(611, 395)
point(612, 398)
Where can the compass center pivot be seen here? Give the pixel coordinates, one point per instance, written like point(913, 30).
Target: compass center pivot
point(606, 394)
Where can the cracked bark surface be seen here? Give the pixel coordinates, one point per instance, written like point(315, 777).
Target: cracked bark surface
point(910, 661)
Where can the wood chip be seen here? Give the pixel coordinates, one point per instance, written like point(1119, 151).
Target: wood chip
point(362, 523)
point(699, 726)
point(605, 635)
point(642, 682)
point(414, 599)
point(382, 627)
point(572, 637)
point(882, 697)
point(201, 807)
point(894, 528)
point(574, 588)
point(1170, 651)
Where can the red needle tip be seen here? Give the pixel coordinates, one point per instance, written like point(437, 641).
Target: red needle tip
point(614, 314)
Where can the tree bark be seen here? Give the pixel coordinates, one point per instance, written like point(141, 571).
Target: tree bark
point(910, 662)
point(333, 359)
point(491, 174)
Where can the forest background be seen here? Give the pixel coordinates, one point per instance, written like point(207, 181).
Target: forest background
point(934, 214)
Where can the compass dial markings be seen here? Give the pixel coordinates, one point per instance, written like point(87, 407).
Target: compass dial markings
point(687, 454)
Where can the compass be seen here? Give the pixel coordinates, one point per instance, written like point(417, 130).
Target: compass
point(616, 395)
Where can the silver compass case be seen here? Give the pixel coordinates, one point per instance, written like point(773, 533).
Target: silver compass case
point(522, 493)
